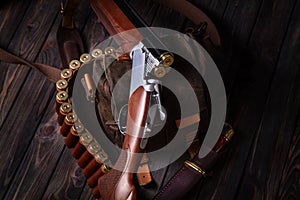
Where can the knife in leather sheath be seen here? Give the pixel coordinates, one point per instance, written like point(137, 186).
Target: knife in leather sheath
point(195, 170)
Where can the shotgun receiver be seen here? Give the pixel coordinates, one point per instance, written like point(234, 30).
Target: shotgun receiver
point(144, 93)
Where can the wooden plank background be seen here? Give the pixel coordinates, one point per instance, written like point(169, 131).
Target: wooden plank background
point(260, 65)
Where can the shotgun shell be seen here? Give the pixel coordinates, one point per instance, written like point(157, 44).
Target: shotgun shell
point(85, 58)
point(229, 132)
point(77, 128)
point(96, 53)
point(78, 150)
point(93, 180)
point(105, 168)
point(88, 81)
point(88, 87)
point(94, 148)
point(69, 120)
point(64, 109)
point(224, 139)
point(108, 165)
point(96, 192)
point(109, 50)
point(86, 138)
point(160, 72)
point(124, 57)
point(167, 59)
point(66, 74)
point(61, 96)
point(74, 65)
point(91, 168)
point(101, 156)
point(73, 136)
point(84, 159)
point(61, 85)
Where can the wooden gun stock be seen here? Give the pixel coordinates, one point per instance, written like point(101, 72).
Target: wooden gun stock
point(137, 115)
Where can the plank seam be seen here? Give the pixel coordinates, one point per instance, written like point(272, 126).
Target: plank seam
point(269, 91)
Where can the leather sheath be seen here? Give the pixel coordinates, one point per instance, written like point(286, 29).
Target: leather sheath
point(186, 177)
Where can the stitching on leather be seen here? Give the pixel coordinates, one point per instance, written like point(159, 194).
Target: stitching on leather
point(169, 183)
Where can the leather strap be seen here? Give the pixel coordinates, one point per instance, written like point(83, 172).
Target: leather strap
point(51, 73)
point(188, 121)
point(116, 22)
point(74, 42)
point(186, 177)
point(69, 44)
point(197, 16)
point(191, 132)
point(68, 8)
point(143, 173)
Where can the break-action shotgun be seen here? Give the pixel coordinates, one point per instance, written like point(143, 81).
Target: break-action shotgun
point(147, 69)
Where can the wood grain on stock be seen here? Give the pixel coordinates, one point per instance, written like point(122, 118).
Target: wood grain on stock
point(137, 115)
point(116, 184)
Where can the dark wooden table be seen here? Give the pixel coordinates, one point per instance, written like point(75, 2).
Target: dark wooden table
point(260, 65)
